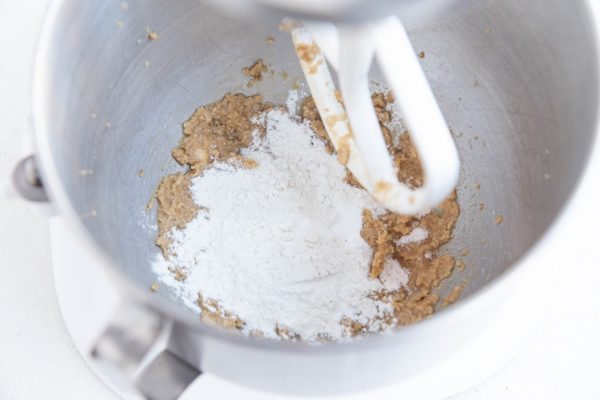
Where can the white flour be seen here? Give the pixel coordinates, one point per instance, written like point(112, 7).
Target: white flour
point(279, 245)
point(417, 235)
point(393, 275)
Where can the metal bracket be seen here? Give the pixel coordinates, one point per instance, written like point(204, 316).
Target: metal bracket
point(166, 377)
point(126, 349)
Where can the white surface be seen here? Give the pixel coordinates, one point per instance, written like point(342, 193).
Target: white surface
point(38, 360)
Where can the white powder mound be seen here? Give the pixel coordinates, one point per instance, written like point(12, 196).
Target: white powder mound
point(279, 245)
point(417, 235)
point(293, 99)
point(393, 275)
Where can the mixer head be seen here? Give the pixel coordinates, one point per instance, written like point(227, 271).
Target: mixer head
point(335, 10)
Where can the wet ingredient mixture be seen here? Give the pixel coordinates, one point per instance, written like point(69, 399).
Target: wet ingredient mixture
point(268, 234)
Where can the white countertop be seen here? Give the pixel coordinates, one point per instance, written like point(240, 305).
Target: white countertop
point(39, 361)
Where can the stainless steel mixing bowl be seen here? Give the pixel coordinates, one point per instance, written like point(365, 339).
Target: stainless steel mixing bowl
point(517, 81)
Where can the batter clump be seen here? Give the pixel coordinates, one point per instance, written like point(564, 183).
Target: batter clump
point(255, 72)
point(175, 207)
point(215, 132)
point(218, 132)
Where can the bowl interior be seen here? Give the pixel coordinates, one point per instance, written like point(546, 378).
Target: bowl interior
point(516, 81)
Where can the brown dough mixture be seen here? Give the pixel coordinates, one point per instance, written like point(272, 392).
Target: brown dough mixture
point(212, 314)
point(218, 131)
point(255, 72)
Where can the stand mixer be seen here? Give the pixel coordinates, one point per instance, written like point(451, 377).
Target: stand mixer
point(511, 88)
